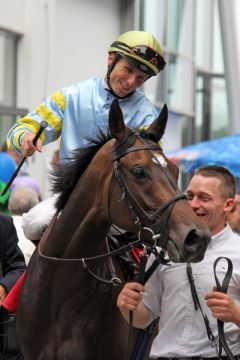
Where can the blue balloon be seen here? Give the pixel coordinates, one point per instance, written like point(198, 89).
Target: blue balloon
point(7, 167)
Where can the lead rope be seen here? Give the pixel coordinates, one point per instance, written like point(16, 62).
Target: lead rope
point(223, 288)
point(213, 340)
point(145, 335)
point(140, 278)
point(220, 341)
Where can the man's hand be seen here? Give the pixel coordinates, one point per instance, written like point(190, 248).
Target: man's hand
point(130, 296)
point(27, 145)
point(129, 299)
point(223, 307)
point(3, 294)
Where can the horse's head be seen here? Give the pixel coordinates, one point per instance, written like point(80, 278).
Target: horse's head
point(144, 191)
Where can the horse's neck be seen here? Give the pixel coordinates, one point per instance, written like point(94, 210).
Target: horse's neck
point(78, 232)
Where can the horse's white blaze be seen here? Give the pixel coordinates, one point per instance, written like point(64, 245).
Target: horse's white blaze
point(159, 160)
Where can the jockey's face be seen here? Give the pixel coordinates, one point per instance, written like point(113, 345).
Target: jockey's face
point(125, 77)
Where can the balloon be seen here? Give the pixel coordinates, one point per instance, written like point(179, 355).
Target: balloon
point(7, 167)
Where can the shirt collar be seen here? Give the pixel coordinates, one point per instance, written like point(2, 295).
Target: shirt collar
point(221, 237)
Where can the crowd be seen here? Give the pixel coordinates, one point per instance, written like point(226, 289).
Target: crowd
point(79, 114)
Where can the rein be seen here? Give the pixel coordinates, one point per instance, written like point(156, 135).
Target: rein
point(161, 238)
point(218, 342)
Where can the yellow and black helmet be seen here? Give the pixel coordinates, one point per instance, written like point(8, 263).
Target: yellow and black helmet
point(142, 49)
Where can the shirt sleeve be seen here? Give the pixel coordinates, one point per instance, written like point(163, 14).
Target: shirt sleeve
point(35, 222)
point(51, 110)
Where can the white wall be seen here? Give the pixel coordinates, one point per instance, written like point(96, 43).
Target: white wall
point(12, 14)
point(63, 41)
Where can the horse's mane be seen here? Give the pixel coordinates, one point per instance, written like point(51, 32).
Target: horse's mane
point(65, 178)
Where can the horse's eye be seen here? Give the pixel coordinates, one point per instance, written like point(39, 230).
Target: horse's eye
point(139, 172)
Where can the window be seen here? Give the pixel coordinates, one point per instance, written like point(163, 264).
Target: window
point(8, 75)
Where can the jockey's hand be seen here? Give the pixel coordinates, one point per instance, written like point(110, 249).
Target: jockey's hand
point(3, 294)
point(27, 144)
point(223, 307)
point(130, 296)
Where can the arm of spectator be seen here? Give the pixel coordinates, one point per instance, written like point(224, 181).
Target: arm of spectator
point(223, 307)
point(35, 222)
point(129, 299)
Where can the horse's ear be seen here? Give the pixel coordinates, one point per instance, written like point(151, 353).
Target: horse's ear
point(116, 123)
point(159, 125)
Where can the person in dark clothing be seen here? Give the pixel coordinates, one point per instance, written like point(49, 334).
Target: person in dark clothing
point(12, 267)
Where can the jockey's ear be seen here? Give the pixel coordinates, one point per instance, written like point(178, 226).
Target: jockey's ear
point(159, 125)
point(116, 123)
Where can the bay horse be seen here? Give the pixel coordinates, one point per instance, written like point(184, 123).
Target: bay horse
point(64, 312)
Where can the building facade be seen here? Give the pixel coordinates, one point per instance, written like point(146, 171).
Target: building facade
point(48, 44)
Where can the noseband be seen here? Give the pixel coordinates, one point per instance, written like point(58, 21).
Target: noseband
point(158, 230)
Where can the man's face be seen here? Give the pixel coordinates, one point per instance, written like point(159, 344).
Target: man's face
point(125, 77)
point(204, 196)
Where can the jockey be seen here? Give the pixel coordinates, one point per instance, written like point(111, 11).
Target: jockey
point(79, 112)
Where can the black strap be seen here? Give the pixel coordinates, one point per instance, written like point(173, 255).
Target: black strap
point(197, 304)
point(223, 288)
point(144, 335)
point(140, 279)
point(143, 341)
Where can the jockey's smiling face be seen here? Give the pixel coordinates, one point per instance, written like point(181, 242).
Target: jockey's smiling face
point(205, 197)
point(125, 77)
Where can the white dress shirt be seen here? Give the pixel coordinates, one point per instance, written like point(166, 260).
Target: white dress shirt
point(182, 331)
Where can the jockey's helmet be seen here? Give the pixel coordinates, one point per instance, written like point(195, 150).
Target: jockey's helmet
point(142, 49)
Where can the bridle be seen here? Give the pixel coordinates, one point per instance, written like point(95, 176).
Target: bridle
point(159, 229)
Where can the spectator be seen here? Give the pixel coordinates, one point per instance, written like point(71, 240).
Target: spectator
point(35, 222)
point(182, 333)
point(21, 200)
point(13, 266)
point(29, 182)
point(233, 216)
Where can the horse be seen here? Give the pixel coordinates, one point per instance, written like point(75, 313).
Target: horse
point(125, 181)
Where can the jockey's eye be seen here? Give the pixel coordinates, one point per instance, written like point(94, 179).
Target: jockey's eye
point(139, 172)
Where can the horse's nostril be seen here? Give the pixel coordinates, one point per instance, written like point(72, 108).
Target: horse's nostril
point(195, 245)
point(192, 240)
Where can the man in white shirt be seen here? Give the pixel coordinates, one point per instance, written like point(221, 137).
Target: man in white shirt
point(167, 294)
